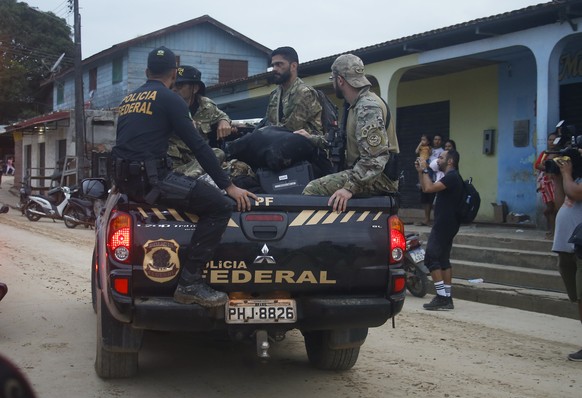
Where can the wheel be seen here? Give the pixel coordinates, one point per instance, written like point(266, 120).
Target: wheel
point(417, 282)
point(33, 206)
point(322, 356)
point(116, 362)
point(74, 213)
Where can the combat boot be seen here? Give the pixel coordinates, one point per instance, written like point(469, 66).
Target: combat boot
point(199, 293)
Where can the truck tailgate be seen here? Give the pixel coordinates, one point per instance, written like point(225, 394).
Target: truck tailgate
point(289, 243)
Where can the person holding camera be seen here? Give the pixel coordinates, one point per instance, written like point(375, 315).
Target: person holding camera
point(449, 191)
point(568, 198)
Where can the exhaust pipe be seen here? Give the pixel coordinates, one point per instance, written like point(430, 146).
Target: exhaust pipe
point(40, 213)
point(73, 219)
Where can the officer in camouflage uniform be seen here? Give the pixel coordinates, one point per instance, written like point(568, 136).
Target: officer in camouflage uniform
point(367, 139)
point(295, 106)
point(206, 115)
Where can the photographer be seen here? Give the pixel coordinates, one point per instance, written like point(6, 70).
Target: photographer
point(568, 198)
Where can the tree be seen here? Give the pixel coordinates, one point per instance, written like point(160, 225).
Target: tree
point(31, 41)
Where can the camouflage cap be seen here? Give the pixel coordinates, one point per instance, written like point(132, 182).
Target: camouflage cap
point(351, 68)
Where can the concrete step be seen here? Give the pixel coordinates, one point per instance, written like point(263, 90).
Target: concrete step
point(517, 265)
point(545, 302)
point(537, 245)
point(519, 277)
point(529, 259)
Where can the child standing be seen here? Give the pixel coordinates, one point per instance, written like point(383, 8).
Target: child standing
point(423, 149)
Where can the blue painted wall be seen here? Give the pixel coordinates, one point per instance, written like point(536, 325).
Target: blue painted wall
point(517, 93)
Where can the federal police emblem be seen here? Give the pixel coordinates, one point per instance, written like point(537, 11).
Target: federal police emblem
point(161, 262)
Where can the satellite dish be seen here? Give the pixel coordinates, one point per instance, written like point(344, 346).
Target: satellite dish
point(56, 65)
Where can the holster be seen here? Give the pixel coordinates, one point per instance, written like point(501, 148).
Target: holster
point(151, 170)
point(176, 186)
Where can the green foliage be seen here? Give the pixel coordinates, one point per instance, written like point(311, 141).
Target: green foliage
point(31, 41)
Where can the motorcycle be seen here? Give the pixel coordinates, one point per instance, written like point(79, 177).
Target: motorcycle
point(83, 211)
point(51, 206)
point(25, 191)
point(416, 272)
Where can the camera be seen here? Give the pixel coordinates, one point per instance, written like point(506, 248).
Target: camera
point(568, 144)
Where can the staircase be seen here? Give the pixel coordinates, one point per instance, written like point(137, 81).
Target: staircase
point(515, 262)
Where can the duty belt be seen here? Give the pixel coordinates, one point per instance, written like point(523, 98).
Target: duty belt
point(123, 169)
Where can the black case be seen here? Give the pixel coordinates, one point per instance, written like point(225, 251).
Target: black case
point(291, 180)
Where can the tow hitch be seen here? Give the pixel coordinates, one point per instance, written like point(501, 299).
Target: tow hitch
point(262, 344)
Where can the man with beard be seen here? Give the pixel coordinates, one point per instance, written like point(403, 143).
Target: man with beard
point(295, 106)
point(367, 139)
point(449, 193)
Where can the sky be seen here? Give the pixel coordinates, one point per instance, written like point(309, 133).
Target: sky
point(316, 29)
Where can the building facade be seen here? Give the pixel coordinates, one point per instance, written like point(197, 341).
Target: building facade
point(497, 86)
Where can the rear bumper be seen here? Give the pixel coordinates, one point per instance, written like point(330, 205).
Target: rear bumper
point(313, 314)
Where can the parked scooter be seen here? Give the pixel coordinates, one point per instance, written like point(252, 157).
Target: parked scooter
point(25, 192)
point(51, 206)
point(84, 210)
point(416, 272)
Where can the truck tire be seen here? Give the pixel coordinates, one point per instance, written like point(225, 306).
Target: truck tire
point(32, 206)
point(111, 364)
point(322, 356)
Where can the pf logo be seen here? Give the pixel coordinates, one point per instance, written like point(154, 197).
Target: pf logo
point(265, 258)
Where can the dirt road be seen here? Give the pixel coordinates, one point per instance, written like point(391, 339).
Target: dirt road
point(47, 328)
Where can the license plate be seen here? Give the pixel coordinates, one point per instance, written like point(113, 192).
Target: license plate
point(261, 311)
point(417, 254)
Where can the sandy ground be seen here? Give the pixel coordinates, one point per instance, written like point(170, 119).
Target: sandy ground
point(47, 328)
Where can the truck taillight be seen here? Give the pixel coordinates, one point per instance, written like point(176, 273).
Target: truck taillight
point(399, 283)
point(397, 239)
point(119, 237)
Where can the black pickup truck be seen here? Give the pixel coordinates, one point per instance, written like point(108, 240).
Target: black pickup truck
point(290, 263)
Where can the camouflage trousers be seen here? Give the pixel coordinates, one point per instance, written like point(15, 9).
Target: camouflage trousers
point(327, 185)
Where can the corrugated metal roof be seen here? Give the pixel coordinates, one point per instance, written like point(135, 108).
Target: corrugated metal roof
point(49, 117)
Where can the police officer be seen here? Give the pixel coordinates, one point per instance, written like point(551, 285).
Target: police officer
point(147, 118)
point(207, 116)
point(367, 140)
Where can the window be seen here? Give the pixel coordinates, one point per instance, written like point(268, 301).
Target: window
point(117, 70)
point(229, 69)
point(92, 79)
point(60, 93)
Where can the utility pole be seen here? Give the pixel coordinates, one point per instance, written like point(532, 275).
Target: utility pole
point(79, 101)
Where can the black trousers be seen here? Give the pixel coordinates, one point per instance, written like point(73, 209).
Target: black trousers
point(198, 197)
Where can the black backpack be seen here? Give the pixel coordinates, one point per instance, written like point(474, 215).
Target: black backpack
point(470, 202)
